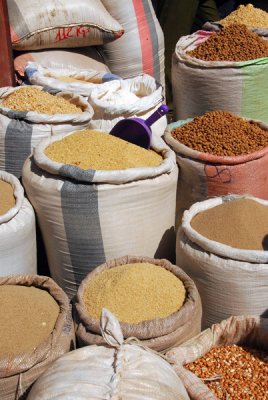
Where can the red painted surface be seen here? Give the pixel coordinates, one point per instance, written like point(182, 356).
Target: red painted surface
point(7, 75)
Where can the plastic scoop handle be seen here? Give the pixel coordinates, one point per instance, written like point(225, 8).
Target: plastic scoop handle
point(160, 112)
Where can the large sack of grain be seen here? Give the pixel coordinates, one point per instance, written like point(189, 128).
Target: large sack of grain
point(60, 24)
point(204, 174)
point(240, 371)
point(199, 86)
point(125, 98)
point(17, 229)
point(81, 58)
point(231, 276)
point(120, 369)
point(75, 80)
point(88, 216)
point(20, 131)
point(48, 307)
point(158, 333)
point(141, 48)
point(255, 19)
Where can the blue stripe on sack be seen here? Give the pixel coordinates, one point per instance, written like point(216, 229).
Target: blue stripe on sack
point(154, 39)
point(110, 77)
point(29, 71)
point(17, 20)
point(18, 140)
point(82, 226)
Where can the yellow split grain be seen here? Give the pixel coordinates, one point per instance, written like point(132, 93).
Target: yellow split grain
point(248, 15)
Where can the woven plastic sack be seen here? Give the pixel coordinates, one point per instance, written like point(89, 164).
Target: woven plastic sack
point(159, 334)
point(216, 27)
point(141, 48)
point(88, 217)
point(200, 86)
point(122, 369)
point(42, 25)
point(250, 331)
point(20, 131)
point(204, 175)
point(18, 373)
point(17, 233)
point(230, 281)
point(48, 77)
point(80, 58)
point(125, 98)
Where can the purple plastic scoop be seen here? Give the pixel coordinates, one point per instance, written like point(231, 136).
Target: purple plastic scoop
point(137, 130)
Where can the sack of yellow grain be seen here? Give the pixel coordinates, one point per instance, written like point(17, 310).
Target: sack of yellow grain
point(17, 228)
point(254, 18)
point(29, 114)
point(226, 361)
point(36, 328)
point(117, 370)
point(78, 81)
point(154, 301)
point(98, 197)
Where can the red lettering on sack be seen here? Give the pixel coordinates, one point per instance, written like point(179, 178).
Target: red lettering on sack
point(67, 33)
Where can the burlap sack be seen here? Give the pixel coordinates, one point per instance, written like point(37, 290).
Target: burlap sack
point(18, 373)
point(204, 175)
point(159, 334)
point(222, 273)
point(251, 331)
point(20, 131)
point(124, 370)
point(200, 86)
point(17, 233)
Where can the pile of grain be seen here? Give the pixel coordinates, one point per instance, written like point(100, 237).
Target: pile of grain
point(247, 15)
point(233, 43)
point(7, 199)
point(30, 98)
point(234, 372)
point(223, 134)
point(28, 316)
point(135, 292)
point(240, 223)
point(90, 149)
point(65, 78)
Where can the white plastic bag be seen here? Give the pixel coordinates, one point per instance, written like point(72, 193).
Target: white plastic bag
point(17, 233)
point(123, 370)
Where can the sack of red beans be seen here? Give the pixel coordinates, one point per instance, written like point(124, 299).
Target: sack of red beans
point(225, 70)
point(227, 361)
point(217, 154)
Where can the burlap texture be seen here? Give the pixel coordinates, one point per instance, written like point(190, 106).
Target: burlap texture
point(244, 330)
point(159, 334)
point(18, 373)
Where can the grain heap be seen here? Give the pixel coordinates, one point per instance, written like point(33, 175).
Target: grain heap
point(7, 199)
point(90, 149)
point(30, 98)
point(240, 223)
point(28, 316)
point(65, 78)
point(234, 372)
point(233, 43)
point(135, 292)
point(222, 133)
point(247, 15)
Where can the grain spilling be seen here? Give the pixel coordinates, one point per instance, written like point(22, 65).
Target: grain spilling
point(28, 316)
point(30, 98)
point(90, 149)
point(240, 223)
point(234, 372)
point(232, 43)
point(7, 199)
point(135, 292)
point(247, 15)
point(222, 133)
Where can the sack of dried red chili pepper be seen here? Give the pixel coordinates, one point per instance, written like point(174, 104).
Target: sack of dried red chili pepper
point(227, 361)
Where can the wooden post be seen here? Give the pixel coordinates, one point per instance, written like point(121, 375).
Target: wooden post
point(7, 74)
